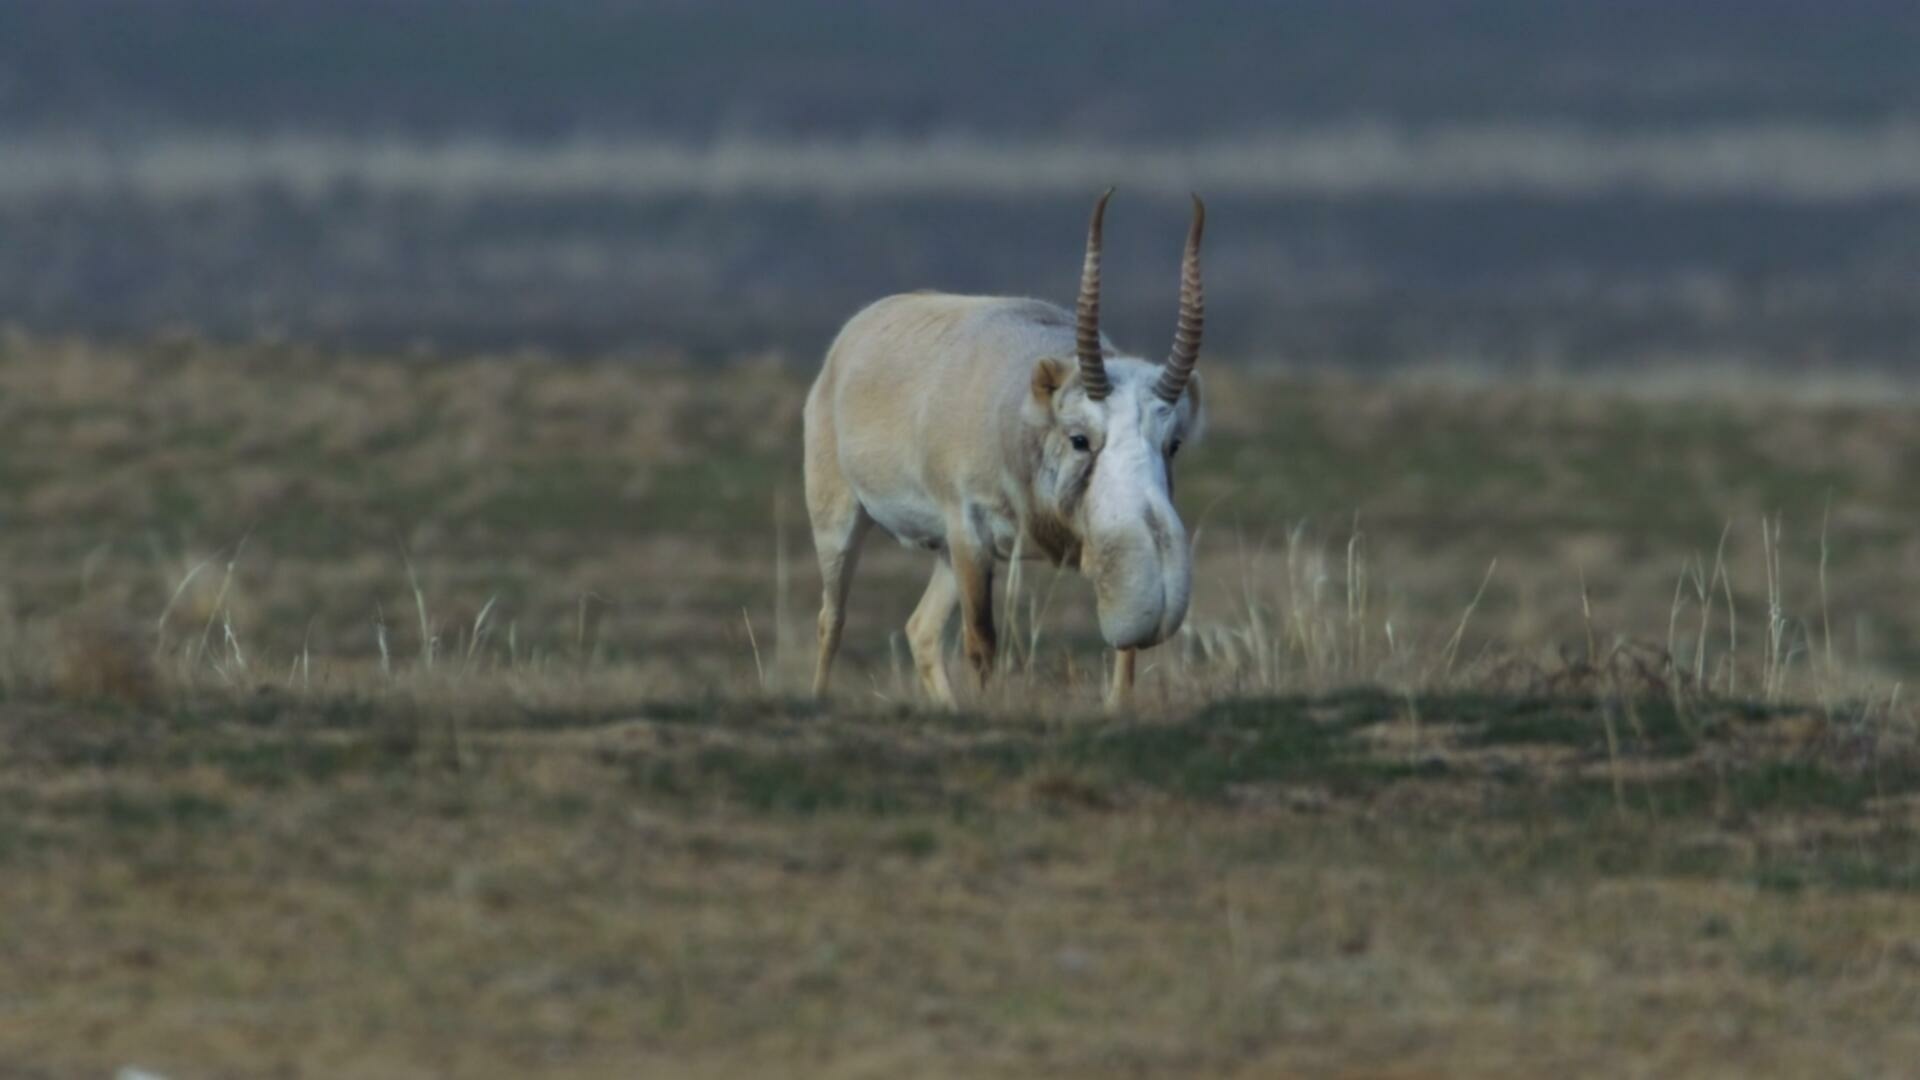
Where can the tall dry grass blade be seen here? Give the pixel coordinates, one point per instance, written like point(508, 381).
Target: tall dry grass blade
point(1706, 604)
point(1673, 622)
point(1460, 632)
point(759, 671)
point(1586, 615)
point(380, 639)
point(1313, 625)
point(179, 590)
point(1780, 626)
point(1630, 703)
point(1677, 693)
point(480, 630)
point(220, 598)
point(1258, 638)
point(1771, 662)
point(1037, 619)
point(1721, 575)
point(1826, 620)
point(1733, 637)
point(1356, 601)
point(233, 641)
point(427, 638)
point(1613, 757)
point(1703, 591)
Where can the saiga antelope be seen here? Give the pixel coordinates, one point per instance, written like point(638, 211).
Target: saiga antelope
point(961, 426)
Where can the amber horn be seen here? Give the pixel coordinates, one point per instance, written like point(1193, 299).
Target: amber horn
point(1093, 370)
point(1193, 313)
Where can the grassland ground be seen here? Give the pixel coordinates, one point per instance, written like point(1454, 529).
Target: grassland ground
point(283, 886)
point(399, 716)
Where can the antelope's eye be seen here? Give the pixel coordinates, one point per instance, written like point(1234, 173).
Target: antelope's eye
point(1079, 442)
point(1173, 447)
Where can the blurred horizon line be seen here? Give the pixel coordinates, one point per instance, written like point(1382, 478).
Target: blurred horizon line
point(1770, 161)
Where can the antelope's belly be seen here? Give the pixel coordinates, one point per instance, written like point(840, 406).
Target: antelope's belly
point(909, 517)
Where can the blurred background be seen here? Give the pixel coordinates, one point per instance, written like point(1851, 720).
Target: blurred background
point(1503, 184)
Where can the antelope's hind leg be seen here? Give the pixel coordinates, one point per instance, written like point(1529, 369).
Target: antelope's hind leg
point(837, 543)
point(840, 523)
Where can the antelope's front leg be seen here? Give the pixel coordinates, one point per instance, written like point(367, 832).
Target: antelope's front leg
point(973, 566)
point(1120, 692)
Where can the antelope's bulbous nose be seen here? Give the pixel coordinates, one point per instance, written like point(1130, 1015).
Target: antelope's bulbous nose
point(1142, 579)
point(1133, 626)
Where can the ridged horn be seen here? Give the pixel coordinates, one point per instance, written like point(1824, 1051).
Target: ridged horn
point(1193, 313)
point(1093, 370)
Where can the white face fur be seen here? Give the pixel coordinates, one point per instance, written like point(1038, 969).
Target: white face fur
point(1106, 474)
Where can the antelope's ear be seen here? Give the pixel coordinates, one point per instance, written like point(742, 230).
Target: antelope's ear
point(1049, 375)
point(1197, 417)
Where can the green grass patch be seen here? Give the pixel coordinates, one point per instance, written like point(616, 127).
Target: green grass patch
point(138, 811)
point(1648, 726)
point(273, 764)
point(1249, 742)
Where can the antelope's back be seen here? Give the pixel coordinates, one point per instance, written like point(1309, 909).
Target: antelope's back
point(917, 389)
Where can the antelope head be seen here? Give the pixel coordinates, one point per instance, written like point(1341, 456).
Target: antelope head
point(1106, 431)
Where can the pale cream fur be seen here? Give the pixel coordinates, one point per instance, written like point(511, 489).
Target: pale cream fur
point(949, 421)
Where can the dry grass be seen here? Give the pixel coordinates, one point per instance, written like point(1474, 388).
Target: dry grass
point(620, 515)
point(278, 886)
point(391, 717)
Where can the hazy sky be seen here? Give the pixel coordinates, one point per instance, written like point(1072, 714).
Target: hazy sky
point(1129, 68)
